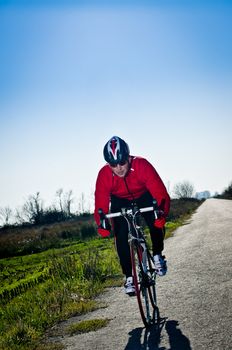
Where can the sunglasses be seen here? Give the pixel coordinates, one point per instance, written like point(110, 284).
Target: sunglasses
point(120, 163)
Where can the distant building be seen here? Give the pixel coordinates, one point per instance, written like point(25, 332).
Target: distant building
point(203, 195)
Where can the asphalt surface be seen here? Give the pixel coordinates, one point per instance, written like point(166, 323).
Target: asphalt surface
point(194, 298)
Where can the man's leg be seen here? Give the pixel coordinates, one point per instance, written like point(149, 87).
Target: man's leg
point(157, 235)
point(120, 228)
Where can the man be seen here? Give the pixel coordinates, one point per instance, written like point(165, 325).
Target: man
point(122, 182)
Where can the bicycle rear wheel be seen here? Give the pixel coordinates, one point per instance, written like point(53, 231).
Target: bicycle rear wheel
point(144, 280)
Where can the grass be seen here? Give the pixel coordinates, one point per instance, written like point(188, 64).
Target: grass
point(22, 240)
point(19, 274)
point(87, 326)
point(74, 275)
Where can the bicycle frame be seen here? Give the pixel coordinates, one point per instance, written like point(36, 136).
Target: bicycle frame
point(142, 263)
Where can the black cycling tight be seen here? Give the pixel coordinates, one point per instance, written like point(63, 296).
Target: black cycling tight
point(121, 229)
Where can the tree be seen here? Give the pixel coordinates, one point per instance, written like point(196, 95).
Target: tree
point(68, 202)
point(33, 209)
point(82, 203)
point(5, 215)
point(227, 193)
point(59, 194)
point(65, 201)
point(183, 189)
point(20, 219)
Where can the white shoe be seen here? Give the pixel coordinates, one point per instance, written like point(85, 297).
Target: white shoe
point(129, 286)
point(160, 265)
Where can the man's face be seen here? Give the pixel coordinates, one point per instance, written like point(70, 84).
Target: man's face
point(120, 169)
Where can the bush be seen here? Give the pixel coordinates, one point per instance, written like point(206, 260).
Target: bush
point(227, 194)
point(181, 207)
point(34, 239)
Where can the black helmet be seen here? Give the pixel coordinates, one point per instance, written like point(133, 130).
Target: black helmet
point(116, 151)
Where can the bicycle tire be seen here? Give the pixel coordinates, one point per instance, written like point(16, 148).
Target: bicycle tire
point(152, 289)
point(144, 280)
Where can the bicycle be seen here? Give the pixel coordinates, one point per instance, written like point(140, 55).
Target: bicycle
point(143, 266)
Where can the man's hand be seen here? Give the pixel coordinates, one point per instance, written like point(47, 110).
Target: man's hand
point(103, 232)
point(160, 222)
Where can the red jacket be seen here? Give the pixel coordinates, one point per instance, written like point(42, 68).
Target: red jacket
point(141, 177)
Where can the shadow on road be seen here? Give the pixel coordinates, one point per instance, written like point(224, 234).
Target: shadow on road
point(150, 339)
point(177, 339)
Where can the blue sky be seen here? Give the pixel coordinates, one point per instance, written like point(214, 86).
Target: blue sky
point(75, 73)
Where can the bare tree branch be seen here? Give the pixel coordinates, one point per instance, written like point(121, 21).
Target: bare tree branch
point(5, 215)
point(183, 189)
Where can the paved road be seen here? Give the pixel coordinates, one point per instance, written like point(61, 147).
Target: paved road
point(194, 297)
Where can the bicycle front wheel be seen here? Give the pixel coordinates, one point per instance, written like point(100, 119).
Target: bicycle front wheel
point(144, 279)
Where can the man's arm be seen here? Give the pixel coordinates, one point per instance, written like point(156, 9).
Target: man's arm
point(156, 187)
point(102, 194)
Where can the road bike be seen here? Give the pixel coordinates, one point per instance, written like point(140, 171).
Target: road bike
point(143, 266)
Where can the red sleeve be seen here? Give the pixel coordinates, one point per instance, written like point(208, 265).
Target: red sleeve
point(155, 186)
point(102, 192)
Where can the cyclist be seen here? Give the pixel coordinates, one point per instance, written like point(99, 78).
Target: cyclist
point(126, 180)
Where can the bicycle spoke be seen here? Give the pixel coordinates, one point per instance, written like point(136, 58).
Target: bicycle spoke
point(144, 280)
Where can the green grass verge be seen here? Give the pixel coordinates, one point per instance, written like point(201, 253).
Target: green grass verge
point(74, 276)
point(87, 326)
